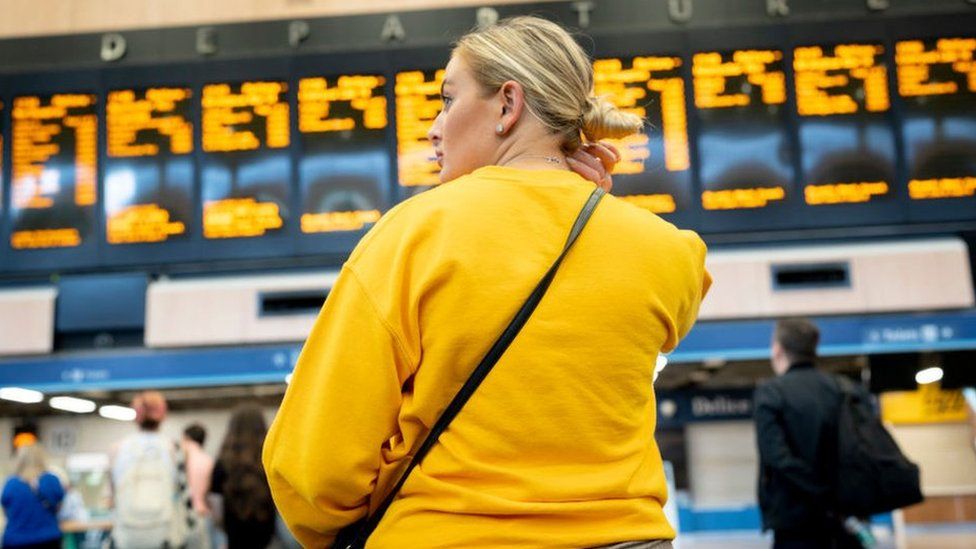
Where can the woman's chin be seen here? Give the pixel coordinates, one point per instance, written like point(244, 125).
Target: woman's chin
point(447, 174)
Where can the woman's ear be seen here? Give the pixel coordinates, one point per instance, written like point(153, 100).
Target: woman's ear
point(511, 97)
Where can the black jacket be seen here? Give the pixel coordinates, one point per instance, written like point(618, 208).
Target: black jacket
point(796, 429)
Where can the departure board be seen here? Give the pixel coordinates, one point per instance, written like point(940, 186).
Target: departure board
point(245, 167)
point(654, 168)
point(937, 87)
point(743, 144)
point(148, 166)
point(344, 168)
point(418, 102)
point(2, 203)
point(53, 170)
point(845, 134)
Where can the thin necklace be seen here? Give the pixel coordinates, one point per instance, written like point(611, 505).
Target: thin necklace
point(549, 159)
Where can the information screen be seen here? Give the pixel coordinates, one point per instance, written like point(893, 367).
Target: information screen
point(937, 86)
point(344, 168)
point(2, 203)
point(53, 170)
point(744, 147)
point(654, 168)
point(244, 180)
point(418, 102)
point(845, 134)
point(148, 166)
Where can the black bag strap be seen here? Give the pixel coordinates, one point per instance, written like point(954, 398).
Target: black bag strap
point(479, 373)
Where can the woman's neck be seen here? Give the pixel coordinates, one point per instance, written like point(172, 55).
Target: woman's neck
point(532, 153)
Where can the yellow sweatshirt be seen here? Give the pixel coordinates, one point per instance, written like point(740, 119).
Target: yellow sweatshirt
point(556, 448)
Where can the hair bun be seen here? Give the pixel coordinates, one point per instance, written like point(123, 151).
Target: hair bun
point(602, 120)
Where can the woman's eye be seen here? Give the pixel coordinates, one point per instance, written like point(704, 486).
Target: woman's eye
point(446, 101)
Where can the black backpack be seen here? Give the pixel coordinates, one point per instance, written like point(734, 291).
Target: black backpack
point(873, 475)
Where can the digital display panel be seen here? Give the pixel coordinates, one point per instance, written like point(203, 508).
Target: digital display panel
point(654, 168)
point(344, 168)
point(845, 134)
point(744, 148)
point(148, 167)
point(2, 203)
point(937, 87)
point(245, 172)
point(418, 102)
point(53, 170)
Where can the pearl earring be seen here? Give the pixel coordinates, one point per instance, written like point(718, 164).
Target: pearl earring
point(499, 129)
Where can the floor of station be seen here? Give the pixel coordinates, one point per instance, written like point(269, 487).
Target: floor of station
point(916, 537)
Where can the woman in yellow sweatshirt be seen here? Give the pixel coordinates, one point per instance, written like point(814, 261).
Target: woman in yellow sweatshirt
point(556, 447)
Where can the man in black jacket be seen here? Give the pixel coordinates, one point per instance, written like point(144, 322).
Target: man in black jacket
point(796, 429)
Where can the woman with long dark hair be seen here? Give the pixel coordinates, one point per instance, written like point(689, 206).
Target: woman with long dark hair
point(238, 476)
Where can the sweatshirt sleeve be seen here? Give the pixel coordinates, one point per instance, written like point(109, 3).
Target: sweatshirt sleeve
point(700, 281)
point(322, 453)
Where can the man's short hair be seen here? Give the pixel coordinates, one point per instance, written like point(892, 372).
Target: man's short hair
point(799, 338)
point(196, 433)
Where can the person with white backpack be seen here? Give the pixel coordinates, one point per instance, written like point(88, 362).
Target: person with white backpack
point(151, 498)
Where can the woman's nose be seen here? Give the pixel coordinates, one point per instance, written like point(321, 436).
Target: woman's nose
point(434, 133)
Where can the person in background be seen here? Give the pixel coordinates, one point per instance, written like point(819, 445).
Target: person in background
point(30, 499)
point(199, 468)
point(556, 447)
point(238, 476)
point(796, 429)
point(152, 501)
point(969, 395)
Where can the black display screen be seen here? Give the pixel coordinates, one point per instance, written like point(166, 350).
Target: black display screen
point(53, 187)
point(937, 90)
point(245, 165)
point(344, 167)
point(780, 132)
point(654, 171)
point(148, 167)
point(846, 139)
point(744, 148)
point(3, 188)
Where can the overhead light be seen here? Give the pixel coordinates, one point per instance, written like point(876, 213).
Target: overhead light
point(121, 413)
point(72, 404)
point(17, 394)
point(928, 375)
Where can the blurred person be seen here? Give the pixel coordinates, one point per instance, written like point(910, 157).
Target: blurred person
point(969, 396)
point(556, 447)
point(149, 487)
point(796, 417)
point(199, 468)
point(238, 477)
point(30, 499)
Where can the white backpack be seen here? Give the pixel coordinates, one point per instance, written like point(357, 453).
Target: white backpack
point(146, 498)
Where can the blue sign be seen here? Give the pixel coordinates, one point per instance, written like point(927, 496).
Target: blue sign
point(853, 335)
point(151, 368)
point(677, 408)
point(731, 340)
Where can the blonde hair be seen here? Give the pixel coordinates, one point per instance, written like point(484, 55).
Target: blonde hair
point(30, 463)
point(555, 73)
